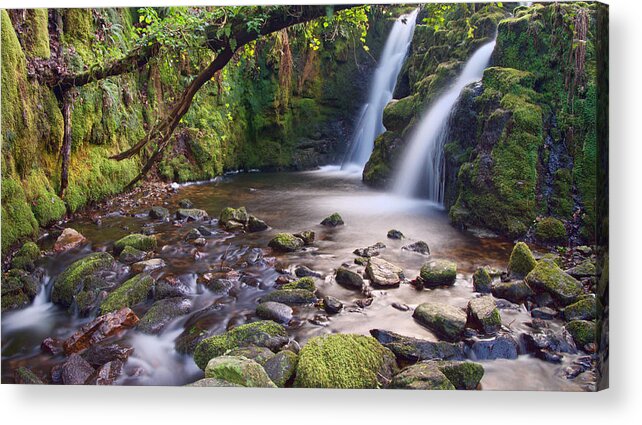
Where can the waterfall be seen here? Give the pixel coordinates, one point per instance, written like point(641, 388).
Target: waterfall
point(370, 122)
point(420, 171)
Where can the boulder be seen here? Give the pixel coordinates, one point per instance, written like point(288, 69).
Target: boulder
point(185, 203)
point(482, 281)
point(349, 278)
point(26, 256)
point(159, 213)
point(131, 255)
point(130, 293)
point(547, 277)
point(370, 251)
point(278, 312)
point(303, 271)
point(18, 289)
point(422, 376)
point(332, 305)
point(75, 371)
point(412, 350)
point(438, 273)
point(161, 313)
point(513, 291)
point(521, 261)
point(584, 269)
point(98, 355)
point(191, 214)
point(463, 375)
point(106, 374)
point(281, 367)
point(306, 236)
point(263, 333)
point(483, 314)
point(135, 240)
point(290, 296)
point(255, 224)
point(544, 313)
point(193, 234)
point(419, 247)
point(212, 382)
point(585, 309)
point(148, 265)
point(259, 354)
point(444, 320)
point(99, 329)
point(344, 361)
point(80, 277)
point(238, 370)
point(547, 344)
point(500, 347)
point(68, 239)
point(394, 234)
point(306, 283)
point(382, 273)
point(238, 215)
point(333, 220)
point(286, 242)
point(550, 230)
point(582, 331)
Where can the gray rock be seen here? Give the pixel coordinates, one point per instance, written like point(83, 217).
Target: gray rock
point(191, 214)
point(259, 354)
point(419, 247)
point(131, 255)
point(382, 273)
point(332, 305)
point(148, 265)
point(185, 203)
point(370, 251)
point(75, 370)
point(422, 376)
point(159, 213)
point(256, 225)
point(411, 350)
point(500, 347)
point(513, 291)
point(484, 315)
point(290, 296)
point(276, 311)
point(395, 234)
point(444, 320)
point(545, 313)
point(303, 271)
point(161, 313)
point(281, 367)
point(349, 278)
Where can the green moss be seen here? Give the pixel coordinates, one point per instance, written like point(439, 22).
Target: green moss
point(422, 376)
point(250, 333)
point(562, 198)
point(136, 240)
point(585, 309)
point(398, 113)
point(521, 260)
point(306, 283)
point(550, 230)
point(78, 277)
point(548, 277)
point(130, 293)
point(333, 220)
point(18, 289)
point(463, 375)
point(438, 272)
point(26, 256)
point(482, 280)
point(582, 331)
point(18, 221)
point(290, 296)
point(238, 370)
point(342, 361)
point(286, 242)
point(47, 207)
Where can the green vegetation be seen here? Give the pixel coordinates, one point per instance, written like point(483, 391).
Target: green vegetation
point(551, 230)
point(521, 260)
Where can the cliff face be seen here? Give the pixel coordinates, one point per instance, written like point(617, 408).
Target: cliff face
point(281, 105)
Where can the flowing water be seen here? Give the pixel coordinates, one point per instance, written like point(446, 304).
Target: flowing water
point(370, 124)
point(288, 202)
point(420, 172)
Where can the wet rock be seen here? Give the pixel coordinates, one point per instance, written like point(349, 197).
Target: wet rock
point(444, 320)
point(212, 382)
point(238, 370)
point(332, 305)
point(106, 374)
point(501, 347)
point(18, 289)
point(382, 273)
point(233, 215)
point(26, 376)
point(394, 234)
point(131, 255)
point(130, 293)
point(547, 344)
point(256, 225)
point(191, 214)
point(333, 220)
point(281, 367)
point(75, 371)
point(135, 240)
point(463, 375)
point(513, 291)
point(422, 376)
point(361, 261)
point(68, 239)
point(98, 355)
point(286, 242)
point(344, 361)
point(582, 331)
point(99, 329)
point(484, 315)
point(549, 278)
point(51, 346)
point(408, 349)
point(290, 296)
point(370, 251)
point(349, 278)
point(438, 273)
point(278, 312)
point(521, 261)
point(306, 236)
point(544, 313)
point(259, 354)
point(306, 283)
point(482, 282)
point(400, 307)
point(80, 276)
point(162, 313)
point(303, 271)
point(159, 213)
point(582, 270)
point(543, 299)
point(363, 303)
point(264, 333)
point(185, 203)
point(578, 366)
point(148, 265)
point(218, 285)
point(204, 231)
point(187, 341)
point(585, 309)
point(419, 247)
point(26, 256)
point(192, 235)
point(170, 288)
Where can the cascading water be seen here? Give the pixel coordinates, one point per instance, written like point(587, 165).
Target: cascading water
point(421, 168)
point(370, 123)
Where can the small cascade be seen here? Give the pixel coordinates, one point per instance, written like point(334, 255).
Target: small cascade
point(370, 122)
point(420, 171)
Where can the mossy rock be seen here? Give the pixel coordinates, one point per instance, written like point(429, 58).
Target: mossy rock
point(79, 277)
point(333, 220)
point(159, 213)
point(130, 293)
point(24, 375)
point(349, 278)
point(422, 376)
point(344, 361)
point(306, 283)
point(521, 260)
point(238, 215)
point(162, 313)
point(281, 367)
point(130, 255)
point(550, 230)
point(398, 113)
point(438, 273)
point(582, 331)
point(290, 296)
point(191, 214)
point(585, 309)
point(286, 242)
point(484, 315)
point(238, 370)
point(18, 289)
point(135, 240)
point(212, 382)
point(585, 269)
point(463, 375)
point(250, 333)
point(514, 291)
point(259, 354)
point(549, 278)
point(444, 320)
point(26, 256)
point(482, 281)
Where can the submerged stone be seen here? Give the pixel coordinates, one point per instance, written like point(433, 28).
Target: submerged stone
point(419, 247)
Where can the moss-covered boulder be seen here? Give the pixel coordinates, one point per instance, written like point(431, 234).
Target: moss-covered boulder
point(463, 375)
point(290, 296)
point(550, 230)
point(349, 278)
point(130, 255)
point(333, 220)
point(255, 224)
point(135, 240)
point(259, 354)
point(158, 213)
point(482, 281)
point(521, 260)
point(238, 370)
point(286, 242)
point(422, 376)
point(344, 361)
point(444, 320)
point(79, 279)
point(212, 382)
point(256, 333)
point(18, 289)
point(191, 214)
point(162, 313)
point(585, 269)
point(484, 315)
point(515, 291)
point(307, 236)
point(398, 113)
point(582, 331)
point(26, 256)
point(438, 273)
point(585, 309)
point(306, 283)
point(130, 293)
point(547, 277)
point(281, 367)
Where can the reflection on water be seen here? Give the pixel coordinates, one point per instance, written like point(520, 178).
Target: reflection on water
point(288, 202)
